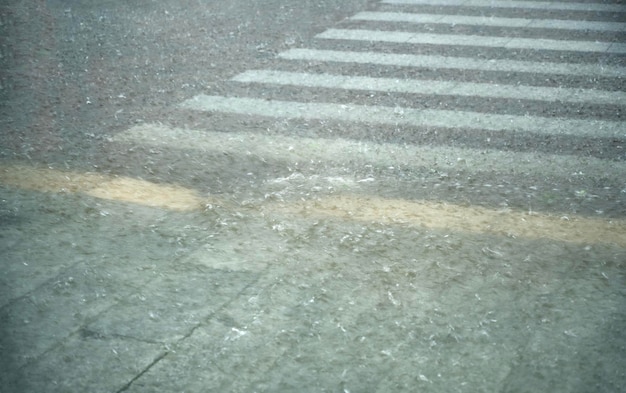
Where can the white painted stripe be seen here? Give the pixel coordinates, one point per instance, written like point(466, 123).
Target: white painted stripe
point(405, 116)
point(414, 86)
point(460, 63)
point(537, 5)
point(343, 152)
point(489, 21)
point(470, 40)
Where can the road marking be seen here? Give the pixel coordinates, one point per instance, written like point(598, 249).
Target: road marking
point(428, 214)
point(344, 152)
point(537, 5)
point(405, 116)
point(414, 86)
point(116, 188)
point(489, 21)
point(457, 63)
point(471, 40)
point(444, 216)
point(433, 215)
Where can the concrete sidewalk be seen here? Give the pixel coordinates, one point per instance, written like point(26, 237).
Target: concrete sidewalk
point(106, 296)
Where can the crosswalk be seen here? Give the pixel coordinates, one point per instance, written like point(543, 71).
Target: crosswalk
point(444, 118)
point(449, 87)
point(436, 81)
point(472, 68)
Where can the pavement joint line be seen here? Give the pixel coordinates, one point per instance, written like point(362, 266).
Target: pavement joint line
point(161, 356)
point(448, 62)
point(418, 18)
point(421, 86)
point(165, 353)
point(384, 115)
point(470, 40)
point(534, 5)
point(433, 215)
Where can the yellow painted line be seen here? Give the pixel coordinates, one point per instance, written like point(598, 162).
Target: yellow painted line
point(428, 214)
point(443, 216)
point(118, 188)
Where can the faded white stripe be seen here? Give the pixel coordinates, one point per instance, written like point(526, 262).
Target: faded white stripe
point(343, 151)
point(489, 21)
point(536, 5)
point(470, 40)
point(405, 116)
point(414, 86)
point(446, 62)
